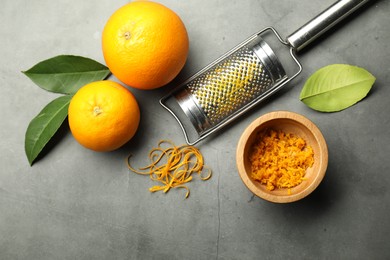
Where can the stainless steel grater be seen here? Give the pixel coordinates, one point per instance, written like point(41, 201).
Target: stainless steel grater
point(230, 84)
point(245, 76)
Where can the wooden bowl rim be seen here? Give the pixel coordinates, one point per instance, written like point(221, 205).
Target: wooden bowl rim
point(302, 120)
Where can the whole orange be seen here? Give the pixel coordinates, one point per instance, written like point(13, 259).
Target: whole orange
point(145, 44)
point(103, 115)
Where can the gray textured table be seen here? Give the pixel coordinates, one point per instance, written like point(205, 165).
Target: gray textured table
point(77, 204)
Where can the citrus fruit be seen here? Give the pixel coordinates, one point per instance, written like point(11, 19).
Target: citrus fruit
point(103, 115)
point(145, 44)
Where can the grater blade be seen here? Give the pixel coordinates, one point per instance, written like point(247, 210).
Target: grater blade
point(228, 87)
point(230, 84)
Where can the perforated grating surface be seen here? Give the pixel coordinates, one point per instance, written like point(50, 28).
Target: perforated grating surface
point(230, 85)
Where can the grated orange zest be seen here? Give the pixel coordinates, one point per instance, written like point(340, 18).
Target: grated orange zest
point(280, 160)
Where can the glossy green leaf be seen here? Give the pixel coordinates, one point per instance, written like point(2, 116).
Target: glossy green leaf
point(66, 73)
point(43, 127)
point(336, 87)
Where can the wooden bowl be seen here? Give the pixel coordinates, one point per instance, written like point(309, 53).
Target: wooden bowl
point(288, 122)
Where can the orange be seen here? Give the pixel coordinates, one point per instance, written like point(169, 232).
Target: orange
point(145, 44)
point(103, 115)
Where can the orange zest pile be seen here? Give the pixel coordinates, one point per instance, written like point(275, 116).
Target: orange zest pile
point(173, 166)
point(280, 160)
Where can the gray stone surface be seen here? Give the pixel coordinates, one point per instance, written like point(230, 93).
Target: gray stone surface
point(77, 204)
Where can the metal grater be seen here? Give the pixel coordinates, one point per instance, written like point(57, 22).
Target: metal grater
point(246, 75)
point(230, 85)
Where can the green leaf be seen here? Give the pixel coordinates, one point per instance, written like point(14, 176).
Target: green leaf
point(66, 73)
point(336, 87)
point(42, 128)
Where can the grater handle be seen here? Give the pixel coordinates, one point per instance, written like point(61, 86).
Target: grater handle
point(322, 22)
